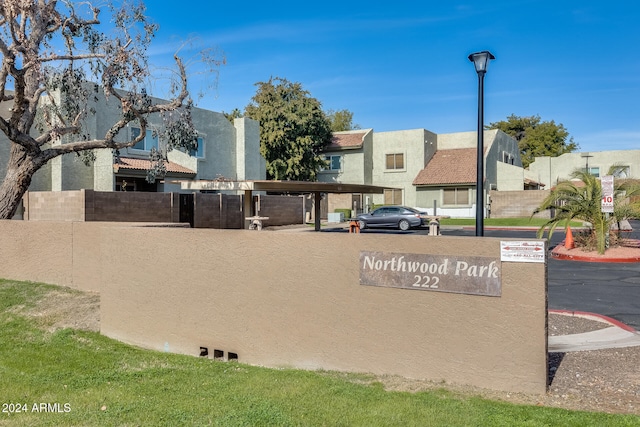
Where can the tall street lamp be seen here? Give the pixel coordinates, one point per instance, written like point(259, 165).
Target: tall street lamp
point(481, 62)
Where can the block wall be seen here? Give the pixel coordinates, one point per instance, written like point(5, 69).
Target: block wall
point(294, 299)
point(517, 204)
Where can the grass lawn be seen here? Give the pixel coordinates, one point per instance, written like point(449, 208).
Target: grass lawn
point(91, 380)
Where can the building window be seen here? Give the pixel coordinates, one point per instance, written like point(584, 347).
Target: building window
point(455, 196)
point(595, 171)
point(392, 197)
point(508, 158)
point(334, 162)
point(150, 140)
point(198, 152)
point(395, 161)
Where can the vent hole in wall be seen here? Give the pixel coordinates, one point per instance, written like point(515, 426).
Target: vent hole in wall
point(233, 357)
point(218, 354)
point(204, 351)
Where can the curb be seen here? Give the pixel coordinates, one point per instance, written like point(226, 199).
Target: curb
point(595, 316)
point(557, 255)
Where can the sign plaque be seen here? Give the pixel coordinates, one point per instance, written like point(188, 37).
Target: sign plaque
point(439, 273)
point(523, 251)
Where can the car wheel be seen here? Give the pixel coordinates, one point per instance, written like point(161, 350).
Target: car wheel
point(362, 224)
point(404, 225)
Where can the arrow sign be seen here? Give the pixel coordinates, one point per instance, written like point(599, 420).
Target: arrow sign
point(522, 248)
point(523, 251)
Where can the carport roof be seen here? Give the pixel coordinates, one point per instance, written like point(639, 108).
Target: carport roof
point(280, 186)
point(285, 186)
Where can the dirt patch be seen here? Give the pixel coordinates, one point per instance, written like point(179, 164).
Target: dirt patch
point(598, 381)
point(60, 309)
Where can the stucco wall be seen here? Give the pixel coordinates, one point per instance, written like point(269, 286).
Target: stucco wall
point(356, 163)
point(510, 178)
point(339, 201)
point(250, 163)
point(230, 150)
point(411, 143)
point(501, 143)
point(450, 141)
point(294, 299)
point(549, 170)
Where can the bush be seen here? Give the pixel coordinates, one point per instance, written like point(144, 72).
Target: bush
point(345, 212)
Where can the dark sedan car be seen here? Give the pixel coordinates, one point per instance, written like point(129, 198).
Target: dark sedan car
point(400, 217)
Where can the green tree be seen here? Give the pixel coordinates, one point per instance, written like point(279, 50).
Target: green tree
point(293, 129)
point(535, 137)
point(341, 120)
point(581, 199)
point(50, 50)
point(234, 114)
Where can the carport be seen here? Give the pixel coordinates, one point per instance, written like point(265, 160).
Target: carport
point(299, 187)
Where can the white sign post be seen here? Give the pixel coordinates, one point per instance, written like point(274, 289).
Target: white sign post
point(606, 205)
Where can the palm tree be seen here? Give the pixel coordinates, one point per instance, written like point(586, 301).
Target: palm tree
point(581, 199)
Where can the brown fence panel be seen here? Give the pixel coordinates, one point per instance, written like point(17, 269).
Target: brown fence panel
point(281, 210)
point(130, 206)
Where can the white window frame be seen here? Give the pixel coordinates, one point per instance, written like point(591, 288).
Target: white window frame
point(145, 141)
point(329, 158)
point(508, 158)
point(593, 170)
point(200, 152)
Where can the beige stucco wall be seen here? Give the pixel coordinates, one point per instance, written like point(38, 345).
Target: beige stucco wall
point(550, 170)
point(285, 299)
point(230, 150)
point(250, 163)
point(450, 141)
point(417, 145)
point(509, 177)
point(37, 251)
point(356, 163)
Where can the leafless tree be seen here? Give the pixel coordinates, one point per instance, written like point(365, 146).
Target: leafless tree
point(56, 56)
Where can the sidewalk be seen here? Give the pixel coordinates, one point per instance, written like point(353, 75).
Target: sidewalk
point(618, 335)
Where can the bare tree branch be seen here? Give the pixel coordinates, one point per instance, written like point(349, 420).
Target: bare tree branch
point(50, 93)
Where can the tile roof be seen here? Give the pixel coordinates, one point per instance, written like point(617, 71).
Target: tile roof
point(130, 163)
point(347, 140)
point(456, 166)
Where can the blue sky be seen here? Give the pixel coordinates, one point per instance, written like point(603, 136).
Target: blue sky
point(404, 65)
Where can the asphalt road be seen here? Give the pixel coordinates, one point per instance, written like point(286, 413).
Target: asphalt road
point(610, 289)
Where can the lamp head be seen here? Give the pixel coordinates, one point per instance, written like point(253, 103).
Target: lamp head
point(481, 60)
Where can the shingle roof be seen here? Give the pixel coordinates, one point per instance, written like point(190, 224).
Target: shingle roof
point(145, 164)
point(347, 140)
point(456, 166)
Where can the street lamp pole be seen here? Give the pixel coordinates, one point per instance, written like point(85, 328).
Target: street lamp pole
point(481, 62)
